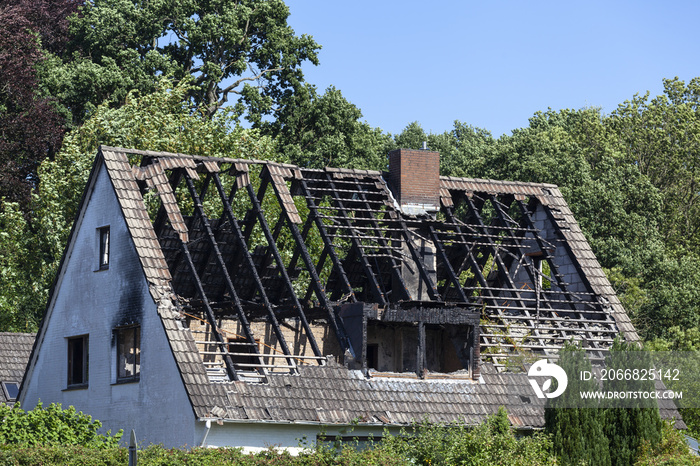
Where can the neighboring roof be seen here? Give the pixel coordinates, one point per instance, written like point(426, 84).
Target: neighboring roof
point(484, 237)
point(15, 349)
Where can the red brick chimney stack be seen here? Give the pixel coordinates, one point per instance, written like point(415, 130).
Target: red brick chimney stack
point(415, 178)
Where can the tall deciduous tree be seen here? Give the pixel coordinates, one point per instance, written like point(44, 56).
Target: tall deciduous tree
point(30, 127)
point(661, 137)
point(316, 131)
point(243, 48)
point(162, 121)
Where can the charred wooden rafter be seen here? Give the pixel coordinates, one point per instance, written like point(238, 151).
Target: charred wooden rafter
point(486, 244)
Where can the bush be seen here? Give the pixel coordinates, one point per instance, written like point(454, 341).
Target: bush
point(38, 434)
point(73, 455)
point(671, 451)
point(490, 443)
point(51, 426)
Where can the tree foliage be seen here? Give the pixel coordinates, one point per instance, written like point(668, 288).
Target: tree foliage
point(578, 435)
point(672, 450)
point(31, 251)
point(490, 443)
point(30, 126)
point(52, 426)
point(317, 131)
point(661, 137)
point(628, 428)
point(244, 48)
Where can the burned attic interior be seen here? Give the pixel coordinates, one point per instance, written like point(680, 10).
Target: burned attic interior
point(276, 266)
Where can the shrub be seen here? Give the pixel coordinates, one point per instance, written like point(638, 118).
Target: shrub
point(672, 450)
point(52, 426)
point(490, 443)
point(60, 455)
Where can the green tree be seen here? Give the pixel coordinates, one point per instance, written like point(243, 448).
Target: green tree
point(629, 427)
point(158, 121)
point(661, 137)
point(317, 131)
point(244, 48)
point(577, 432)
point(22, 288)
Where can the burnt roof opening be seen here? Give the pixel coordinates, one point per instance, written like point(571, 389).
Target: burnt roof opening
point(250, 241)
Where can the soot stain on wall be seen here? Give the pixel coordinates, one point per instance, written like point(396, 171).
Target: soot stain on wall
point(131, 300)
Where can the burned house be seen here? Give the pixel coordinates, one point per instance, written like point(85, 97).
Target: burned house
point(250, 303)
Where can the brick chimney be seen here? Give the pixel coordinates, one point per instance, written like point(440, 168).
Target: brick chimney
point(414, 176)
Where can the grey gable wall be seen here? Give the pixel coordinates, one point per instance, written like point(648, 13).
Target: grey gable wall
point(87, 301)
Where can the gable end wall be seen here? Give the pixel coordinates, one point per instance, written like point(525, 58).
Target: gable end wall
point(93, 302)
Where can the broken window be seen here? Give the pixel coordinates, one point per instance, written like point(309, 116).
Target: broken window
point(11, 390)
point(104, 248)
point(399, 347)
point(373, 356)
point(78, 361)
point(128, 354)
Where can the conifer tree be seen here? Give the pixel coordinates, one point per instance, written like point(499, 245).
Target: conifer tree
point(629, 425)
point(577, 426)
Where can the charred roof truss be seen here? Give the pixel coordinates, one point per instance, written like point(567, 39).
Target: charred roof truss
point(252, 241)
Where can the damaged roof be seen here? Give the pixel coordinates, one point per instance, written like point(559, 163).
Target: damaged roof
point(251, 240)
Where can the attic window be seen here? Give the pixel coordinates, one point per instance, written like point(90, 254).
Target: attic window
point(104, 247)
point(78, 361)
point(11, 390)
point(128, 354)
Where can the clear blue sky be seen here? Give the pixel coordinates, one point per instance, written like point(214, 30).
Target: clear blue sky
point(492, 64)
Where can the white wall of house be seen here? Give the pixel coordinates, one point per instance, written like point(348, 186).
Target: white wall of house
point(294, 437)
point(89, 301)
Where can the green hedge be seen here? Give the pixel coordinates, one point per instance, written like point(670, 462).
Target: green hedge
point(54, 436)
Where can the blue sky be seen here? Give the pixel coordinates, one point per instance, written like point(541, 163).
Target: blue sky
point(493, 64)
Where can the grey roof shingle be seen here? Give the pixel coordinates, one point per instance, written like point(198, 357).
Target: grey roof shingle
point(15, 349)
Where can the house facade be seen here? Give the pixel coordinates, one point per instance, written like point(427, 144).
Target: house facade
point(205, 301)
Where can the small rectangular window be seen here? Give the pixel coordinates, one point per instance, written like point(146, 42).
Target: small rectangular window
point(128, 354)
point(104, 248)
point(11, 390)
point(78, 361)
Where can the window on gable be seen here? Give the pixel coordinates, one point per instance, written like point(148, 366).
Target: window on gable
point(104, 247)
point(11, 390)
point(78, 361)
point(128, 353)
